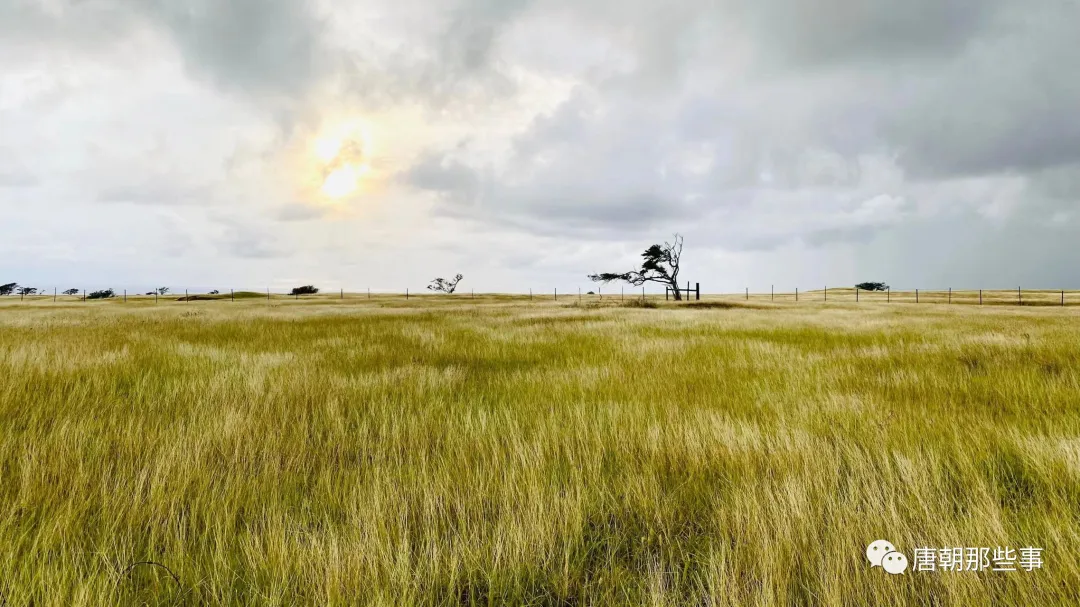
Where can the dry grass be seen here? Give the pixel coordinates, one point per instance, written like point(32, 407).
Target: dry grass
point(447, 451)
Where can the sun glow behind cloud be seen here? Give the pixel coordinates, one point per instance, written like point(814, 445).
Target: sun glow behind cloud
point(343, 152)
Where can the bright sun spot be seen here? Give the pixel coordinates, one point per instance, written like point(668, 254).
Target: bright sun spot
point(343, 154)
point(343, 181)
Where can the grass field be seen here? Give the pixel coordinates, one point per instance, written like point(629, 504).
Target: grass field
point(497, 451)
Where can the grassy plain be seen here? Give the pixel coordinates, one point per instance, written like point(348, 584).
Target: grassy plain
point(501, 451)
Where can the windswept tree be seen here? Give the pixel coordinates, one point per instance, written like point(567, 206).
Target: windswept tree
point(304, 290)
point(71, 292)
point(660, 264)
point(9, 288)
point(161, 291)
point(442, 285)
point(27, 291)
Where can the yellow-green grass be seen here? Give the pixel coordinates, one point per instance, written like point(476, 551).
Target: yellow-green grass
point(497, 451)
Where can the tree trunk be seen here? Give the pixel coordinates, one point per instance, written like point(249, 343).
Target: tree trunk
point(675, 288)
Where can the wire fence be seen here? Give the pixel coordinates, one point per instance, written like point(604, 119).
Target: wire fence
point(825, 295)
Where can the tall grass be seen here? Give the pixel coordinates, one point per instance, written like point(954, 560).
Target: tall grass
point(495, 451)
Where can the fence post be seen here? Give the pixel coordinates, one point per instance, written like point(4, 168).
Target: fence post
point(155, 295)
point(697, 291)
point(666, 291)
point(54, 296)
point(1062, 298)
point(186, 300)
point(796, 293)
point(916, 296)
point(1019, 297)
point(556, 293)
point(856, 294)
point(406, 293)
point(826, 292)
point(980, 297)
point(125, 295)
point(600, 292)
point(343, 293)
point(772, 292)
point(232, 294)
point(267, 293)
point(369, 292)
point(622, 293)
point(888, 294)
point(643, 294)
point(530, 294)
point(579, 294)
point(747, 293)
point(84, 294)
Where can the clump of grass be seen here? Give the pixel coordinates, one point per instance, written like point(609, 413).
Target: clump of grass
point(515, 453)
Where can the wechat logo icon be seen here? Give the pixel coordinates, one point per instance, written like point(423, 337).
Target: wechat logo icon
point(882, 553)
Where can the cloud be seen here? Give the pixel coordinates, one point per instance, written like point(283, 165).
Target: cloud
point(758, 128)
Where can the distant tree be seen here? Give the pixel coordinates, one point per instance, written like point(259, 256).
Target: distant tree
point(305, 290)
point(442, 285)
point(591, 293)
point(9, 288)
point(71, 292)
point(27, 291)
point(872, 286)
point(161, 291)
point(661, 265)
point(103, 294)
point(214, 292)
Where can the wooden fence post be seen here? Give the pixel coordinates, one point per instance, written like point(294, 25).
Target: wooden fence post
point(856, 294)
point(980, 297)
point(406, 293)
point(84, 294)
point(1019, 297)
point(772, 292)
point(826, 292)
point(916, 296)
point(888, 294)
point(697, 291)
point(232, 294)
point(125, 295)
point(556, 293)
point(950, 294)
point(796, 294)
point(747, 293)
point(54, 296)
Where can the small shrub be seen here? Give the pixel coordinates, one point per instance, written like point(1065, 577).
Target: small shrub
point(71, 292)
point(305, 290)
point(872, 286)
point(103, 294)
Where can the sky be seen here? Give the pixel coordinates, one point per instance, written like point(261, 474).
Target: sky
point(527, 143)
